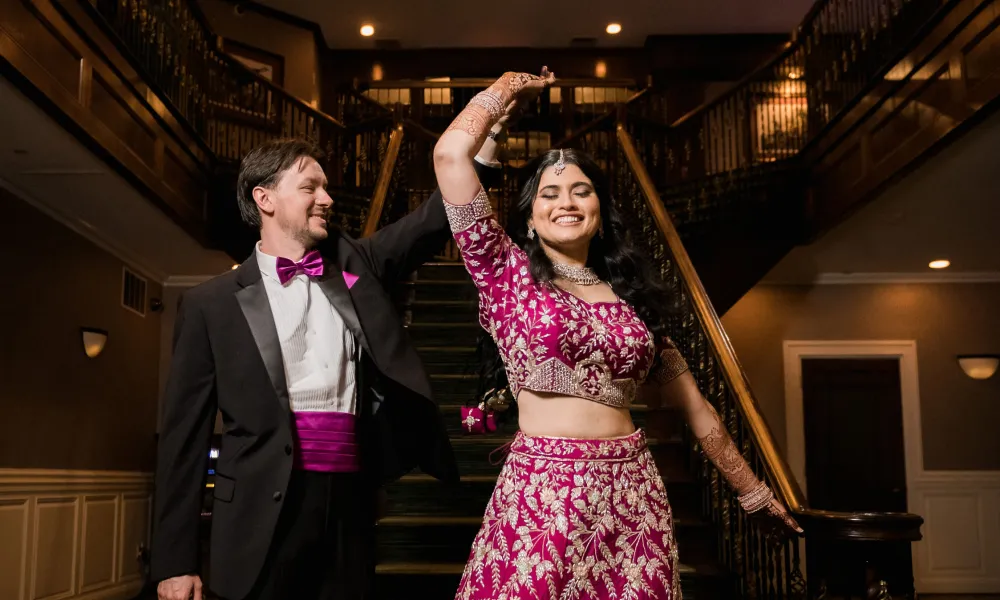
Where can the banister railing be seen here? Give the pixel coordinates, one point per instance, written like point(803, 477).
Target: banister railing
point(384, 180)
point(233, 110)
point(841, 49)
point(764, 568)
point(778, 470)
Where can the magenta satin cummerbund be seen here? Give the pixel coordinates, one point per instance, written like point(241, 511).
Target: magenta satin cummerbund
point(326, 442)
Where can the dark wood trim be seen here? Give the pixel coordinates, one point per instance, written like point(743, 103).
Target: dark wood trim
point(859, 527)
point(90, 26)
point(123, 129)
point(279, 15)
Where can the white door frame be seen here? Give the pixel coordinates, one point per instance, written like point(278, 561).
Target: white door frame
point(905, 351)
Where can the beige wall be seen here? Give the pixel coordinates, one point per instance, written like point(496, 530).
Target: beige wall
point(296, 44)
point(58, 408)
point(961, 417)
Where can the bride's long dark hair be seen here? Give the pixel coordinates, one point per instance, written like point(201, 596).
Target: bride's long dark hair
point(612, 256)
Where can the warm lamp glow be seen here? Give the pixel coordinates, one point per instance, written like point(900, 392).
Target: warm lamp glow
point(794, 74)
point(235, 267)
point(367, 30)
point(377, 72)
point(614, 28)
point(979, 367)
point(939, 264)
point(601, 69)
point(93, 341)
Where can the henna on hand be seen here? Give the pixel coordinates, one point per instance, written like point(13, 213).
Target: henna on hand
point(720, 449)
point(488, 106)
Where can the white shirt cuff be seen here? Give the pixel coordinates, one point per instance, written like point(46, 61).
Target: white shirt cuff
point(493, 165)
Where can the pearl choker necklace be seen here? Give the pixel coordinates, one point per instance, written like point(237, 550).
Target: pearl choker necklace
point(577, 275)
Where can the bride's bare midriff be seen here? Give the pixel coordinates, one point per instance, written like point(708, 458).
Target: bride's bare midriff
point(553, 415)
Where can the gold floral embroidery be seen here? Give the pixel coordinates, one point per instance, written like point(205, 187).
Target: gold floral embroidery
point(575, 520)
point(550, 340)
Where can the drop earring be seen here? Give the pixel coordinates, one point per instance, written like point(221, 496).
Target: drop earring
point(531, 232)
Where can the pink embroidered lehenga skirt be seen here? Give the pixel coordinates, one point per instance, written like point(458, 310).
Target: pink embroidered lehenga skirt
point(575, 519)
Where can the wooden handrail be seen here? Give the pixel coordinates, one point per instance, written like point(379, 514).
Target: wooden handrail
point(384, 178)
point(787, 489)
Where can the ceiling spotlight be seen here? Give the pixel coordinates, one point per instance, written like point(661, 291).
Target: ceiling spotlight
point(367, 30)
point(614, 28)
point(939, 264)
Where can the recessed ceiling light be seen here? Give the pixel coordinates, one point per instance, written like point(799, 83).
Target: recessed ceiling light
point(367, 30)
point(940, 264)
point(614, 28)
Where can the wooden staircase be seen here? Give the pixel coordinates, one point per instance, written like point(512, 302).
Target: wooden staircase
point(425, 539)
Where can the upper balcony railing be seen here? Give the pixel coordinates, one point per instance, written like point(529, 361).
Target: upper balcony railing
point(233, 110)
point(842, 48)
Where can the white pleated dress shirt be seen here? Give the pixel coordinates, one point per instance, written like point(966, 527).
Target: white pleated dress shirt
point(317, 348)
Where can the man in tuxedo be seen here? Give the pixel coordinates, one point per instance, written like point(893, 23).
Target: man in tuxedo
point(322, 396)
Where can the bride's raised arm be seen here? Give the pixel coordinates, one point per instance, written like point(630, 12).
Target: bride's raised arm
point(454, 152)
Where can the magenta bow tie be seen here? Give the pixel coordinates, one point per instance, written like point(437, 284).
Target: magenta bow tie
point(311, 264)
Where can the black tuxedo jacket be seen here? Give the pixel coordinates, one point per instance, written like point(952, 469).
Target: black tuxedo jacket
point(227, 357)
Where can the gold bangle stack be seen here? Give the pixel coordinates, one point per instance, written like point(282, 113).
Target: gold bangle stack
point(758, 498)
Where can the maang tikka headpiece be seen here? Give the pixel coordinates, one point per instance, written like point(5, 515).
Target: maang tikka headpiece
point(560, 165)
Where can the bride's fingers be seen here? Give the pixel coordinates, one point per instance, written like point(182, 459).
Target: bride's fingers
point(794, 526)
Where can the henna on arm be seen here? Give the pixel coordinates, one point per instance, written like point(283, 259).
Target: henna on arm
point(678, 387)
point(488, 106)
point(722, 451)
point(454, 151)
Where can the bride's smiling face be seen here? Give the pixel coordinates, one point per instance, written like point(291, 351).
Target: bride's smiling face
point(566, 212)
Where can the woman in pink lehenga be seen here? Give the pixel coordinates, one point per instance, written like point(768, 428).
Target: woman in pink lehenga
point(579, 510)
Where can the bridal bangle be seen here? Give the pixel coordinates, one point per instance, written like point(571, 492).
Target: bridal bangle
point(758, 498)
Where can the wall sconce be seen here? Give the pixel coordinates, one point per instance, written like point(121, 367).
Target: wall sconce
point(980, 366)
point(93, 341)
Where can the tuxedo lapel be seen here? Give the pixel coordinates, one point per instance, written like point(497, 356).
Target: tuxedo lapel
point(333, 285)
point(257, 310)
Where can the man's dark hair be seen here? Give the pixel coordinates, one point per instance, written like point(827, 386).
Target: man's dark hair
point(263, 167)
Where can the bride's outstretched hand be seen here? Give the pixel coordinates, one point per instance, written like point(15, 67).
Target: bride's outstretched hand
point(526, 88)
point(777, 522)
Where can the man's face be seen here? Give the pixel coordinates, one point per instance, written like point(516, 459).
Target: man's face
point(298, 202)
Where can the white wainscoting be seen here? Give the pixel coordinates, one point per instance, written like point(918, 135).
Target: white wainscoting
point(72, 534)
point(960, 552)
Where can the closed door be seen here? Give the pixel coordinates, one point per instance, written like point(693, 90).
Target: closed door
point(855, 462)
point(854, 434)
